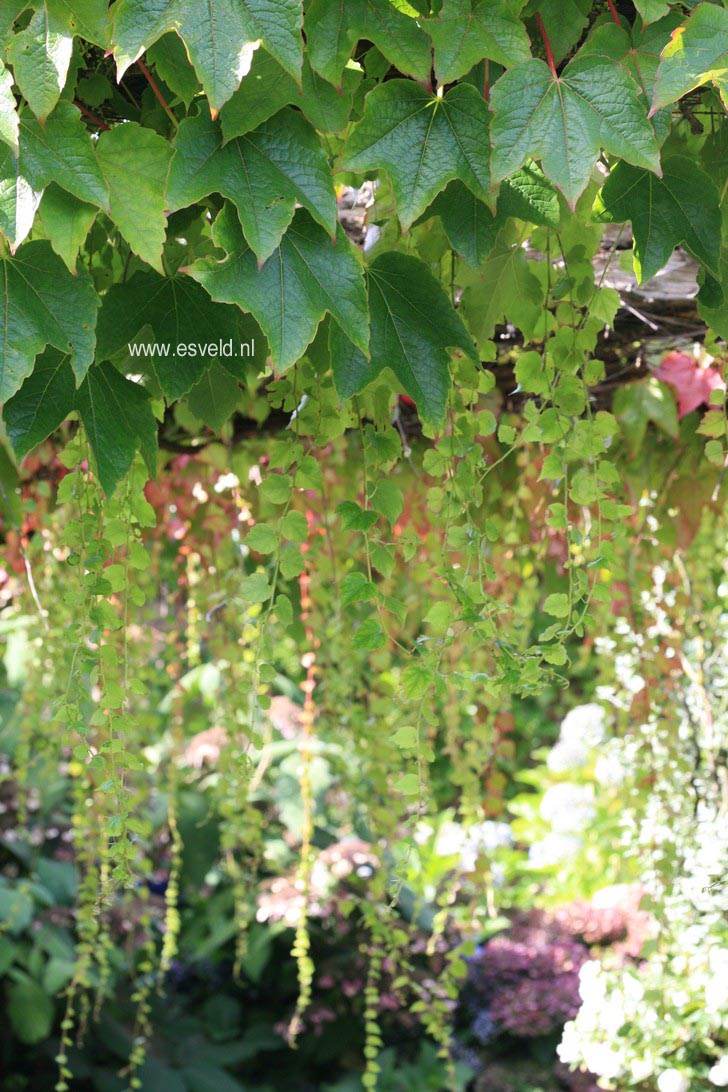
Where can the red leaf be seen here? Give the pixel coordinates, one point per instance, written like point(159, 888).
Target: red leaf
point(691, 381)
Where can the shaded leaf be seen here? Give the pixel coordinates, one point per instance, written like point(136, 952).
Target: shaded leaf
point(334, 27)
point(265, 173)
point(413, 331)
point(306, 277)
point(44, 401)
point(118, 419)
point(682, 207)
point(177, 311)
point(268, 87)
point(214, 397)
point(220, 38)
point(44, 305)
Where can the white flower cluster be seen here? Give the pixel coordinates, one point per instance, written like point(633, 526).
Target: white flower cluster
point(581, 730)
point(469, 843)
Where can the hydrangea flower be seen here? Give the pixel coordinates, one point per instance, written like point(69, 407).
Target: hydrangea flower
point(719, 1073)
point(568, 807)
point(672, 1080)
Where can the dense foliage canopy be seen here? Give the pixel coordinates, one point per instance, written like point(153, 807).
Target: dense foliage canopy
point(310, 521)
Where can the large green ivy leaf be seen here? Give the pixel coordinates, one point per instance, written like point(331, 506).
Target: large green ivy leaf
point(334, 27)
point(176, 311)
point(638, 49)
point(67, 222)
point(116, 414)
point(40, 55)
point(682, 207)
point(61, 151)
point(18, 200)
point(44, 401)
point(44, 305)
point(118, 419)
point(220, 38)
point(265, 173)
point(566, 121)
point(290, 293)
point(413, 331)
point(466, 31)
point(268, 87)
point(9, 124)
point(696, 54)
point(423, 142)
point(135, 162)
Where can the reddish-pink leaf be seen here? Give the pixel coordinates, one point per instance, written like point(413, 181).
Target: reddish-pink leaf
point(692, 381)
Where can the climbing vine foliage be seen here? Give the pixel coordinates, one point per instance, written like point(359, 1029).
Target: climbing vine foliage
point(175, 275)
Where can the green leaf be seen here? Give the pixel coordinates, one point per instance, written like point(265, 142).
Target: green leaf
point(413, 330)
point(220, 38)
point(528, 195)
point(638, 49)
point(566, 121)
point(651, 10)
point(355, 588)
point(423, 142)
point(564, 21)
point(334, 27)
point(8, 110)
point(18, 200)
point(44, 401)
point(682, 207)
point(44, 305)
point(470, 226)
point(169, 57)
point(255, 588)
point(135, 162)
point(636, 404)
point(504, 287)
point(67, 222)
point(264, 173)
point(178, 312)
point(40, 55)
point(466, 31)
point(290, 293)
point(369, 636)
point(268, 87)
point(354, 517)
point(214, 398)
point(262, 538)
point(387, 499)
point(61, 151)
point(696, 54)
point(557, 605)
point(30, 1010)
point(118, 419)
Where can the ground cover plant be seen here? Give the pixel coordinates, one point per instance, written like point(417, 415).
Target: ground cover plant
point(363, 712)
